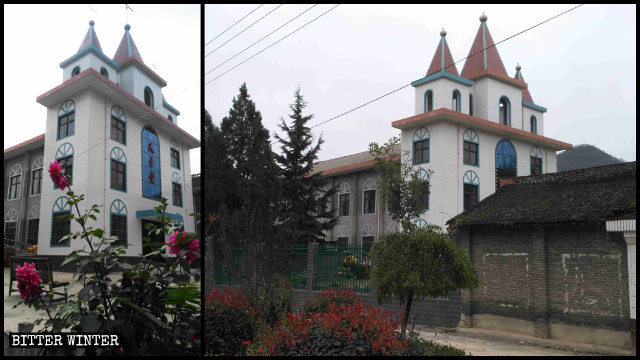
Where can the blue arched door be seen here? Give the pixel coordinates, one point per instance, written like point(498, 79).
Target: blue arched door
point(506, 161)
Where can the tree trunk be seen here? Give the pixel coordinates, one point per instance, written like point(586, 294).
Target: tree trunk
point(406, 312)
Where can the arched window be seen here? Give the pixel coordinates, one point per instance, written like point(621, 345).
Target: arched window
point(421, 223)
point(505, 111)
point(60, 225)
point(15, 179)
point(170, 118)
point(66, 119)
point(368, 236)
point(369, 196)
point(118, 169)
point(470, 104)
point(104, 72)
point(176, 189)
point(342, 235)
point(75, 71)
point(423, 199)
point(506, 161)
point(151, 182)
point(118, 125)
point(471, 184)
point(392, 227)
point(344, 199)
point(148, 97)
point(33, 222)
point(456, 101)
point(421, 140)
point(470, 148)
point(36, 176)
point(175, 154)
point(534, 124)
point(428, 101)
point(10, 226)
point(119, 222)
point(536, 161)
point(64, 155)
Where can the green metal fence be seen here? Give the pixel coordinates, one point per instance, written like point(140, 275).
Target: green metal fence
point(221, 276)
point(340, 266)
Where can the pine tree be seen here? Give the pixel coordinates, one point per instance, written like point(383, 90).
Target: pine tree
point(305, 197)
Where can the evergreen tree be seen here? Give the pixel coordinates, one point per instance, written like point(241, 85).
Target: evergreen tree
point(305, 197)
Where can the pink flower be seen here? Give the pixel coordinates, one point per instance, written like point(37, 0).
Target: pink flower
point(28, 281)
point(177, 243)
point(55, 172)
point(260, 351)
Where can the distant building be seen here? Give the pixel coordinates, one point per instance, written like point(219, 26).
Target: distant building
point(112, 131)
point(557, 256)
point(470, 129)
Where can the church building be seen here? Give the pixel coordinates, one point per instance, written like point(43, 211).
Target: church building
point(115, 135)
point(470, 129)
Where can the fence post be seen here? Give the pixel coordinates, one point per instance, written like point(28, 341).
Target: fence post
point(312, 255)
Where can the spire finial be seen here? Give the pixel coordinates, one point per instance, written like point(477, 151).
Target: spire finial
point(443, 33)
point(91, 23)
point(518, 67)
point(127, 27)
point(483, 17)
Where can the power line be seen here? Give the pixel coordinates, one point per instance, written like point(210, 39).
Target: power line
point(234, 24)
point(477, 52)
point(277, 41)
point(243, 30)
point(281, 26)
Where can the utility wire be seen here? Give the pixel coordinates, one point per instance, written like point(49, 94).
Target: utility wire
point(236, 35)
point(281, 26)
point(477, 52)
point(277, 41)
point(234, 24)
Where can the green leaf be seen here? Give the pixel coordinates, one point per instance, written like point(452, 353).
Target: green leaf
point(71, 257)
point(98, 232)
point(90, 323)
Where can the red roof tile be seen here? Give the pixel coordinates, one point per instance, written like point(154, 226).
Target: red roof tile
point(437, 63)
point(90, 39)
point(475, 62)
point(127, 48)
point(24, 143)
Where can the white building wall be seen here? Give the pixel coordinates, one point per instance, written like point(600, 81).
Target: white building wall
point(496, 89)
point(442, 95)
point(526, 119)
point(90, 60)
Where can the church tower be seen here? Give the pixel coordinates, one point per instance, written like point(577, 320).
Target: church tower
point(114, 134)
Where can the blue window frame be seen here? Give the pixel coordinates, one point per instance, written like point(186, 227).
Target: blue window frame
point(104, 72)
point(175, 154)
point(470, 148)
point(423, 199)
point(151, 170)
point(534, 124)
point(504, 111)
point(471, 189)
point(470, 104)
point(456, 101)
point(421, 223)
point(66, 120)
point(75, 71)
point(428, 100)
point(118, 125)
point(506, 161)
point(176, 189)
point(421, 146)
point(118, 169)
point(536, 161)
point(148, 97)
point(64, 155)
point(60, 226)
point(118, 224)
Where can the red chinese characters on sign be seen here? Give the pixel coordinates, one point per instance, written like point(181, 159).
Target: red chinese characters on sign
point(150, 162)
point(150, 148)
point(152, 176)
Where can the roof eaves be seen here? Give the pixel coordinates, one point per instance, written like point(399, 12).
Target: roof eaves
point(90, 48)
point(439, 75)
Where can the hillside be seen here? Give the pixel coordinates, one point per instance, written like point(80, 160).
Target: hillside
point(584, 156)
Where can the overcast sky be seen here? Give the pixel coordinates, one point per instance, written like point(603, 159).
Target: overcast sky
point(37, 38)
point(580, 66)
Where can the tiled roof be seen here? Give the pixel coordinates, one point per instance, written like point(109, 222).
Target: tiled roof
point(526, 95)
point(348, 163)
point(25, 143)
point(477, 55)
point(440, 62)
point(593, 194)
point(90, 39)
point(127, 48)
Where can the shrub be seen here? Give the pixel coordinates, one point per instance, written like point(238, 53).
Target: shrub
point(331, 296)
point(422, 347)
point(351, 329)
point(275, 301)
point(230, 321)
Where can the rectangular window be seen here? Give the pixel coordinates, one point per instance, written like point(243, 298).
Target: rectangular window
point(367, 242)
point(118, 175)
point(61, 226)
point(118, 131)
point(369, 202)
point(344, 204)
point(177, 194)
point(36, 181)
point(421, 151)
point(14, 187)
point(536, 166)
point(32, 231)
point(10, 230)
point(470, 156)
point(423, 200)
point(67, 168)
point(66, 125)
point(175, 159)
point(470, 196)
point(119, 228)
point(343, 241)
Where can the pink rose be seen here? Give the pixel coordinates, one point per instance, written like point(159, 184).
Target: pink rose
point(28, 281)
point(55, 172)
point(177, 242)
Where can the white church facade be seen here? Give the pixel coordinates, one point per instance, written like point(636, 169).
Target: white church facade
point(115, 135)
point(470, 129)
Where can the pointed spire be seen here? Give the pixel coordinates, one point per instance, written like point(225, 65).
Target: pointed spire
point(483, 54)
point(127, 48)
point(526, 95)
point(90, 39)
point(442, 59)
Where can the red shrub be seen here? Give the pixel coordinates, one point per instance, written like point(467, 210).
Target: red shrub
point(229, 298)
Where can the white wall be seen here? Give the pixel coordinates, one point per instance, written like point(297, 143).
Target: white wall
point(442, 95)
